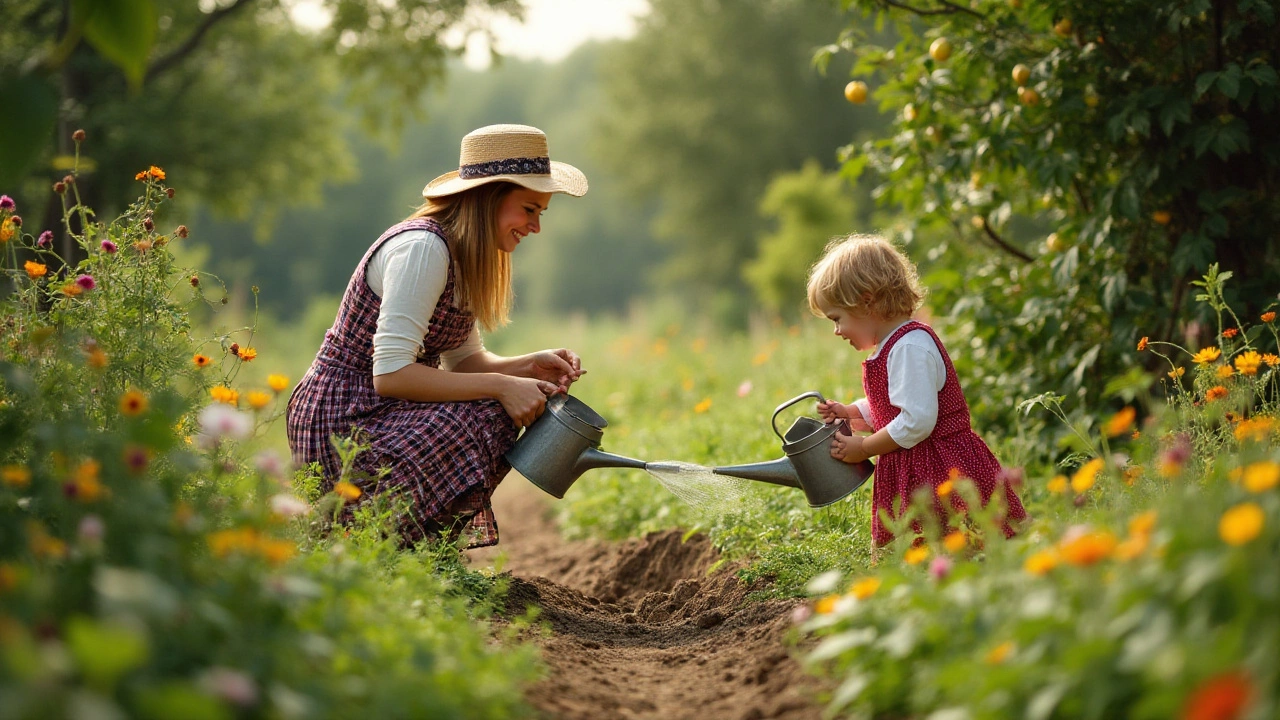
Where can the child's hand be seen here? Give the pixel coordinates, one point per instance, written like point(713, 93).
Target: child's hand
point(857, 423)
point(848, 448)
point(831, 411)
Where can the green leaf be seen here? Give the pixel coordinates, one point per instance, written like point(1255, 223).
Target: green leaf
point(1204, 82)
point(1229, 81)
point(103, 653)
point(28, 113)
point(123, 31)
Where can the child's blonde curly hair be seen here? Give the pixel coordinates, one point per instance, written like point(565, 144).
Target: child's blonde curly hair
point(865, 274)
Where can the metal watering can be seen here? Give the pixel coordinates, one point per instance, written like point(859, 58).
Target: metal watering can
point(807, 464)
point(563, 443)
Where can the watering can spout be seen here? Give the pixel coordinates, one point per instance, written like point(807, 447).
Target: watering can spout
point(775, 472)
point(592, 458)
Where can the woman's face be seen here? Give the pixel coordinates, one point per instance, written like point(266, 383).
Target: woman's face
point(519, 215)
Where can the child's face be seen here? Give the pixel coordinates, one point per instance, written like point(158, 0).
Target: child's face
point(858, 329)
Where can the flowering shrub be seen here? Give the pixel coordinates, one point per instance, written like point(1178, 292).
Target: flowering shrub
point(147, 567)
point(1143, 587)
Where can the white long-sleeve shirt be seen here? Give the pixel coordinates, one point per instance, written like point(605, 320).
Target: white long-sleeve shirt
point(916, 376)
point(409, 273)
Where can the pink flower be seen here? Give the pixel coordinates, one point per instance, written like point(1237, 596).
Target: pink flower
point(45, 240)
point(86, 282)
point(800, 613)
point(231, 685)
point(91, 529)
point(745, 388)
point(6, 203)
point(109, 247)
point(940, 568)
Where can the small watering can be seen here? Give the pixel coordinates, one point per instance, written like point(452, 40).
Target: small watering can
point(808, 464)
point(563, 443)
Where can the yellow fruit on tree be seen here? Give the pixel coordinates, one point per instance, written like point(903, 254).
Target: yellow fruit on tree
point(940, 50)
point(856, 92)
point(1028, 96)
point(1021, 74)
point(1162, 217)
point(909, 112)
point(1063, 27)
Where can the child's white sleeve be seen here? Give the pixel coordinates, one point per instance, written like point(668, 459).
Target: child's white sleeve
point(916, 376)
point(864, 406)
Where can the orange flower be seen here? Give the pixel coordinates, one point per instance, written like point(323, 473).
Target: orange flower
point(1225, 371)
point(1120, 422)
point(246, 354)
point(1268, 316)
point(865, 588)
point(1087, 475)
point(999, 653)
point(1057, 485)
point(1217, 392)
point(133, 403)
point(1142, 344)
point(96, 358)
point(1261, 476)
point(277, 382)
point(84, 485)
point(1271, 359)
point(346, 490)
point(152, 173)
point(277, 551)
point(1207, 355)
point(1256, 429)
point(1131, 547)
point(15, 476)
point(702, 406)
point(1222, 697)
point(35, 269)
point(224, 394)
point(916, 555)
point(200, 360)
point(71, 289)
point(826, 604)
point(1241, 524)
point(954, 541)
point(1088, 548)
point(1247, 362)
point(1230, 332)
point(945, 487)
point(1041, 562)
point(1143, 523)
point(1176, 373)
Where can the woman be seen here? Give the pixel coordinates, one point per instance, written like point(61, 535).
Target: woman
point(403, 367)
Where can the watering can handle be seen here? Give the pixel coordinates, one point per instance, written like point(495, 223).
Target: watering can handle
point(774, 420)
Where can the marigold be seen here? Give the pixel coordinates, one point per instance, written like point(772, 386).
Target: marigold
point(702, 406)
point(133, 403)
point(1057, 485)
point(1217, 392)
point(200, 360)
point(916, 555)
point(1206, 355)
point(1247, 362)
point(945, 488)
point(1120, 422)
point(225, 395)
point(224, 542)
point(258, 399)
point(277, 382)
point(96, 358)
point(1143, 523)
point(1222, 697)
point(1241, 524)
point(35, 270)
point(346, 490)
point(15, 476)
point(1142, 344)
point(1271, 359)
point(999, 653)
point(1086, 476)
point(826, 604)
point(1256, 429)
point(954, 541)
point(1268, 316)
point(865, 588)
point(1261, 476)
point(1176, 373)
point(1088, 548)
point(1131, 547)
point(71, 289)
point(1230, 332)
point(277, 551)
point(151, 173)
point(1225, 371)
point(246, 354)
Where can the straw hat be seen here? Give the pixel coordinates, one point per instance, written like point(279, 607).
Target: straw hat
point(511, 153)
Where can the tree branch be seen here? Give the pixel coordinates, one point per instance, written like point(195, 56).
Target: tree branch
point(948, 8)
point(1000, 242)
point(178, 54)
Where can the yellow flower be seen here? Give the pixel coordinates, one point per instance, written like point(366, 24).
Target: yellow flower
point(1234, 475)
point(1086, 476)
point(224, 394)
point(35, 269)
point(1041, 562)
point(246, 354)
point(133, 403)
point(277, 551)
point(1225, 371)
point(1271, 359)
point(1088, 548)
point(1131, 474)
point(825, 604)
point(1176, 373)
point(44, 545)
point(1217, 392)
point(1261, 476)
point(1120, 422)
point(346, 490)
point(1241, 524)
point(703, 406)
point(224, 542)
point(1132, 547)
point(258, 399)
point(686, 384)
point(15, 475)
point(6, 231)
point(1057, 485)
point(954, 541)
point(200, 360)
point(865, 588)
point(1143, 523)
point(660, 346)
point(1207, 355)
point(916, 555)
point(277, 382)
point(71, 289)
point(1256, 429)
point(85, 483)
point(1247, 362)
point(945, 487)
point(999, 653)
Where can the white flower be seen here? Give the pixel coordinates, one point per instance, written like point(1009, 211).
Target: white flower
point(231, 685)
point(268, 463)
point(287, 506)
point(219, 421)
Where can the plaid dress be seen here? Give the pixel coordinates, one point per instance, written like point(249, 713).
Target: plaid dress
point(445, 458)
point(952, 445)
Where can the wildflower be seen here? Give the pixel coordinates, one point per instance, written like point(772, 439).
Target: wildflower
point(133, 403)
point(109, 247)
point(744, 389)
point(1257, 428)
point(1268, 316)
point(86, 282)
point(865, 588)
point(346, 490)
point(1271, 359)
point(59, 187)
point(6, 231)
point(224, 395)
point(182, 231)
point(702, 406)
point(220, 420)
point(660, 346)
point(945, 488)
point(148, 224)
point(35, 269)
point(44, 545)
point(1207, 355)
point(258, 399)
point(1057, 485)
point(224, 542)
point(1143, 523)
point(78, 136)
point(201, 361)
point(916, 555)
point(761, 358)
point(195, 281)
point(143, 246)
point(1086, 476)
point(268, 462)
point(152, 173)
point(288, 506)
point(1230, 332)
point(234, 348)
point(16, 220)
point(1222, 697)
point(1217, 392)
point(800, 613)
point(1131, 547)
point(1176, 373)
point(91, 529)
point(277, 382)
point(84, 484)
point(1120, 422)
point(15, 476)
point(1225, 371)
point(940, 568)
point(1261, 476)
point(1241, 524)
point(7, 203)
point(1087, 548)
point(1142, 344)
point(45, 240)
point(999, 653)
point(169, 192)
point(96, 358)
point(1247, 362)
point(826, 604)
point(954, 541)
point(136, 458)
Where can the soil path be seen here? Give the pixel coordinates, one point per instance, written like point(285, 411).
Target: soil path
point(640, 629)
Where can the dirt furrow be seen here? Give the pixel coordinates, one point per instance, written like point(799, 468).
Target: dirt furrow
point(640, 629)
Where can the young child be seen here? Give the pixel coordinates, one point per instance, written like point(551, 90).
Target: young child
point(914, 407)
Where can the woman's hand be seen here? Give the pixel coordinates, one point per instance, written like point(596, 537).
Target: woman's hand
point(848, 448)
point(524, 399)
point(560, 366)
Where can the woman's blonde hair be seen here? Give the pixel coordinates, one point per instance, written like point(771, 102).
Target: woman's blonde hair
point(470, 223)
point(866, 274)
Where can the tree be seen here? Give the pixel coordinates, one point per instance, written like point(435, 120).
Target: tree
point(1140, 132)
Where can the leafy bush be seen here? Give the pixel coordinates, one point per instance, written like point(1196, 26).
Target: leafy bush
point(147, 567)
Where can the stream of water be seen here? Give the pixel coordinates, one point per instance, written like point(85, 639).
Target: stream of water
point(701, 488)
